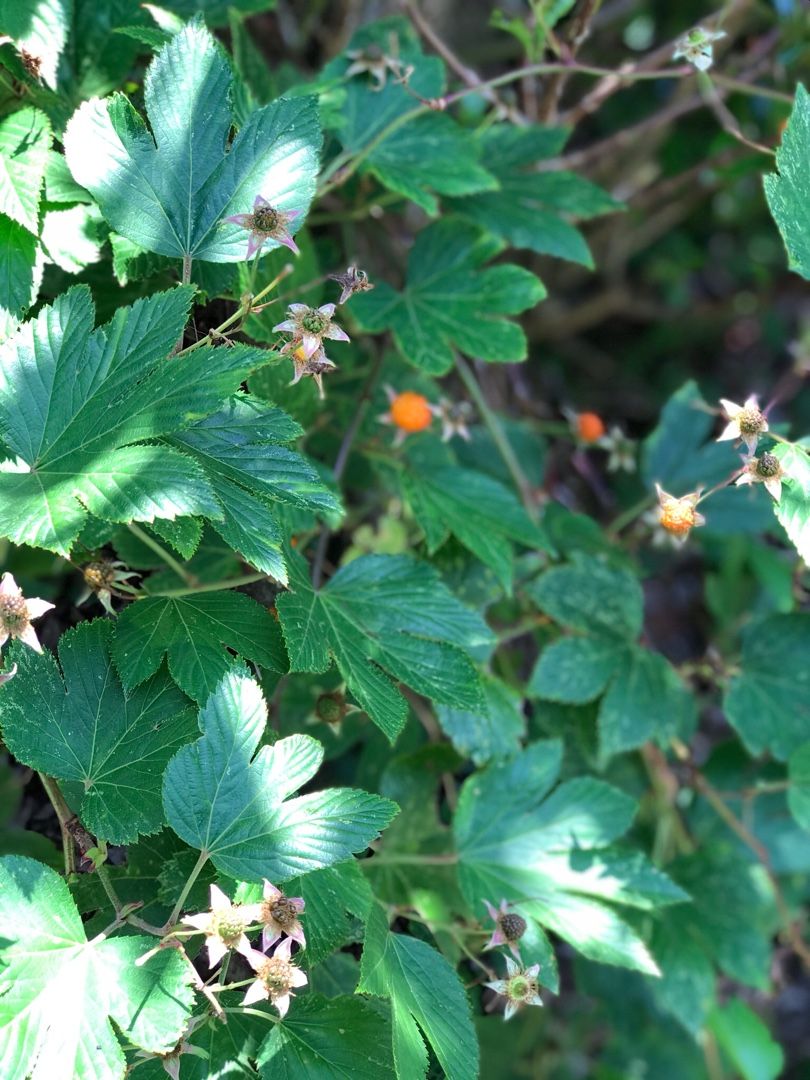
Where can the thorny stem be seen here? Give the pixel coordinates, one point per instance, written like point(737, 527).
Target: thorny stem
point(162, 553)
point(212, 586)
point(64, 814)
point(713, 797)
point(498, 437)
point(192, 877)
point(342, 458)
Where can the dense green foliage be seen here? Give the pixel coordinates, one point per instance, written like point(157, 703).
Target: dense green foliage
point(369, 713)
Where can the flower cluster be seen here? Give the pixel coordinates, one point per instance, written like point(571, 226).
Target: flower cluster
point(520, 987)
point(226, 926)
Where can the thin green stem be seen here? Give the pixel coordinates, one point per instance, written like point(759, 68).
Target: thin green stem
point(740, 87)
point(107, 885)
point(247, 1011)
point(628, 515)
point(211, 586)
point(503, 445)
point(162, 553)
point(64, 815)
point(192, 877)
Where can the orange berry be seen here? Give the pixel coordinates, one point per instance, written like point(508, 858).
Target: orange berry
point(678, 516)
point(590, 427)
point(411, 411)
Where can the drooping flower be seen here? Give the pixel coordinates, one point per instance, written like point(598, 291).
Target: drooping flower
point(408, 412)
point(16, 614)
point(745, 422)
point(276, 977)
point(372, 60)
point(520, 987)
point(266, 223)
point(170, 1060)
point(351, 281)
point(315, 366)
point(765, 469)
point(102, 578)
point(697, 47)
point(678, 516)
point(454, 417)
point(309, 327)
point(509, 927)
point(279, 913)
point(224, 925)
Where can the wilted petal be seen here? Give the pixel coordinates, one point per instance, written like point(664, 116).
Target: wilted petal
point(335, 333)
point(297, 309)
point(270, 937)
point(254, 244)
point(327, 309)
point(172, 1067)
point(310, 343)
point(286, 239)
point(296, 933)
point(259, 202)
point(498, 938)
point(286, 327)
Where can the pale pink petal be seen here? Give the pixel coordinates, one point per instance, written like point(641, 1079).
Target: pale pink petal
point(8, 586)
point(774, 485)
point(515, 951)
point(700, 519)
point(250, 913)
point(254, 244)
point(292, 214)
point(219, 901)
point(503, 908)
point(498, 938)
point(532, 971)
point(510, 1010)
point(243, 946)
point(751, 402)
point(764, 425)
point(750, 442)
point(257, 991)
point(282, 1003)
point(310, 344)
point(28, 636)
point(284, 949)
point(390, 393)
point(37, 608)
point(297, 934)
point(288, 242)
point(335, 333)
point(255, 958)
point(746, 478)
point(297, 309)
point(298, 977)
point(327, 309)
point(730, 409)
point(286, 327)
point(259, 202)
point(239, 219)
point(511, 967)
point(499, 986)
point(270, 937)
point(216, 950)
point(730, 431)
point(298, 902)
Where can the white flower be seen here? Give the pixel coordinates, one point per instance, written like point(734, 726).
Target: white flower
point(520, 987)
point(309, 326)
point(276, 977)
point(224, 925)
point(697, 47)
point(765, 469)
point(745, 422)
point(16, 614)
point(279, 913)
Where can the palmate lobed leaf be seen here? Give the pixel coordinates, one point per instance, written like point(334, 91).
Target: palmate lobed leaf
point(25, 140)
point(61, 991)
point(383, 617)
point(79, 725)
point(169, 190)
point(451, 300)
point(235, 807)
point(788, 191)
point(73, 400)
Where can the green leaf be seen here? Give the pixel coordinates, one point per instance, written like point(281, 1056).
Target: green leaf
point(424, 991)
point(60, 991)
point(252, 476)
point(328, 894)
point(552, 853)
point(74, 399)
point(677, 455)
point(79, 725)
point(493, 733)
point(686, 988)
point(328, 1039)
point(192, 630)
point(788, 191)
point(72, 239)
point(169, 189)
point(25, 140)
point(234, 807)
point(381, 616)
point(531, 209)
point(798, 795)
point(746, 1041)
point(38, 28)
point(793, 509)
point(450, 300)
point(483, 514)
point(768, 702)
point(592, 597)
point(576, 670)
point(18, 253)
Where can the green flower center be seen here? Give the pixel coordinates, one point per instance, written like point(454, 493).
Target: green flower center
point(314, 321)
point(276, 975)
point(750, 421)
point(13, 612)
point(521, 988)
point(266, 219)
point(767, 466)
point(329, 709)
point(229, 929)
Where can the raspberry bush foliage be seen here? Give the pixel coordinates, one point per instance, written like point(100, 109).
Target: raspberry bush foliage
point(404, 529)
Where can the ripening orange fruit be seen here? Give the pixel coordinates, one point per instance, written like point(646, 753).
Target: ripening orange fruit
point(411, 411)
point(590, 427)
point(678, 516)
